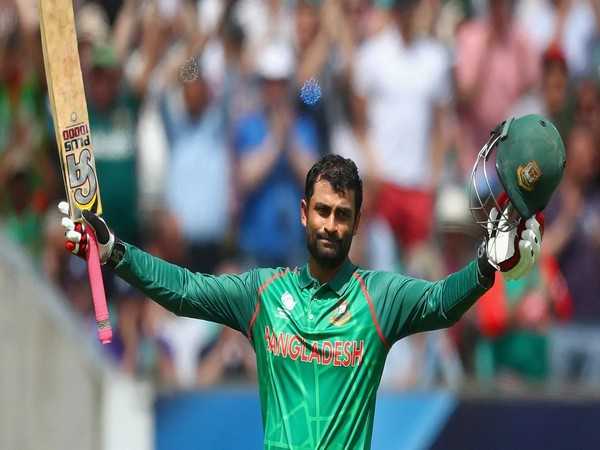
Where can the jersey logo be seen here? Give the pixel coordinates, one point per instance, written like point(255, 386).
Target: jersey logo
point(288, 303)
point(528, 175)
point(341, 315)
point(337, 353)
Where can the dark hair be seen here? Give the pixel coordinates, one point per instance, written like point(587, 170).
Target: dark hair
point(340, 172)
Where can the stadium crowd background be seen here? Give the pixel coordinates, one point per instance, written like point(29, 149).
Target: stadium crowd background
point(202, 143)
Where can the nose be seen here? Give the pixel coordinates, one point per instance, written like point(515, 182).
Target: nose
point(330, 225)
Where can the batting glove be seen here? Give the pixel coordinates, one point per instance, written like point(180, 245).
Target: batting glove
point(514, 252)
point(76, 233)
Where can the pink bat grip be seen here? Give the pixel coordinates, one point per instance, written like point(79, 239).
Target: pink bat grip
point(97, 286)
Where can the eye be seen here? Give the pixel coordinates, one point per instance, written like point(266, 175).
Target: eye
point(322, 210)
point(343, 214)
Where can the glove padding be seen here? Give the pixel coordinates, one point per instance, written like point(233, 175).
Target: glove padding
point(76, 233)
point(516, 251)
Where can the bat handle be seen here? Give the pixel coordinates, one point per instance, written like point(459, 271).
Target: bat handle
point(97, 286)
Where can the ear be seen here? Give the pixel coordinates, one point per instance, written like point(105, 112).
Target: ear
point(356, 223)
point(304, 212)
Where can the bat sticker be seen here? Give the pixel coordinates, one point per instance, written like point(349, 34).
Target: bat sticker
point(78, 162)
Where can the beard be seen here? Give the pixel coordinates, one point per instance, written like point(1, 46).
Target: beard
point(328, 254)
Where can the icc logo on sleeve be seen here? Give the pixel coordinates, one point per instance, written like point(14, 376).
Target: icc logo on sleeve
point(288, 301)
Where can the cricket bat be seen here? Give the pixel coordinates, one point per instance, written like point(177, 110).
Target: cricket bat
point(73, 135)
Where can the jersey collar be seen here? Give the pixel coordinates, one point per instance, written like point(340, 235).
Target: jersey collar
point(338, 282)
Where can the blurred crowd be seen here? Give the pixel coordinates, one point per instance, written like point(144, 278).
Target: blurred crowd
point(202, 142)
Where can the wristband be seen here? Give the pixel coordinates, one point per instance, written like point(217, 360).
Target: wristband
point(484, 269)
point(117, 253)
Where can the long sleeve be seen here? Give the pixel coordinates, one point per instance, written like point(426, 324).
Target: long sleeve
point(408, 305)
point(226, 299)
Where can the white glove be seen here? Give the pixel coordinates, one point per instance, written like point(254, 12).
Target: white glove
point(76, 237)
point(513, 252)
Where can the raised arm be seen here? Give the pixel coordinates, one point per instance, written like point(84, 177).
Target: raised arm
point(226, 299)
point(408, 305)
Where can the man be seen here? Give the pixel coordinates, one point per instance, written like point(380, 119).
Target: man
point(273, 147)
point(321, 332)
point(113, 106)
point(196, 128)
point(552, 97)
point(574, 230)
point(113, 109)
point(401, 107)
point(491, 51)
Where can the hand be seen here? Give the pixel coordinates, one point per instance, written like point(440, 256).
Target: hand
point(76, 233)
point(514, 252)
point(282, 118)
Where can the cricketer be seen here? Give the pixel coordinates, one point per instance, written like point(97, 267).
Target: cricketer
point(322, 332)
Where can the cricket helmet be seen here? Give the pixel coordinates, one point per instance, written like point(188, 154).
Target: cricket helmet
point(522, 163)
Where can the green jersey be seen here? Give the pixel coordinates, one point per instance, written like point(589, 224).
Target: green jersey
point(320, 348)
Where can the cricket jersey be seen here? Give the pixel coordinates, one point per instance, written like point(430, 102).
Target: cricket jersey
point(320, 347)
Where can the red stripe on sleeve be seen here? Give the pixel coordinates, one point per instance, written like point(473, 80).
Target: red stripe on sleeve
point(363, 287)
point(261, 289)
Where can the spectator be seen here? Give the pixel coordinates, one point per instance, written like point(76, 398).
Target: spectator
point(573, 236)
point(513, 321)
point(22, 124)
point(200, 163)
point(587, 104)
point(553, 99)
point(92, 29)
point(570, 24)
point(403, 104)
point(274, 148)
point(26, 176)
point(326, 39)
point(24, 214)
point(173, 98)
point(113, 109)
point(495, 65)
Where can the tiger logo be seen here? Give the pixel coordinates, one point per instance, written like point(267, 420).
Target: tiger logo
point(528, 175)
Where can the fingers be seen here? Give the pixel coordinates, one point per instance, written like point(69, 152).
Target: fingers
point(74, 232)
point(527, 255)
point(525, 263)
point(533, 225)
point(73, 236)
point(531, 237)
point(529, 252)
point(492, 221)
point(67, 224)
point(75, 240)
point(63, 207)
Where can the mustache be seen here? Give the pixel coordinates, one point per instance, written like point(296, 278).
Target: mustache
point(328, 237)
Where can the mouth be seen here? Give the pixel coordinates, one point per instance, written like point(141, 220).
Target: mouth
point(328, 242)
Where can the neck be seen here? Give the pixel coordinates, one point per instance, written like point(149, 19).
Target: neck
point(321, 273)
